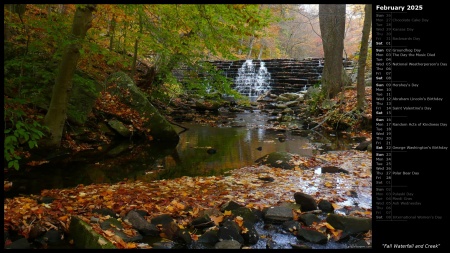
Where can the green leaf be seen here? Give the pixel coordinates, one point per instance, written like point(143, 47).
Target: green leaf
point(16, 164)
point(7, 156)
point(32, 144)
point(10, 140)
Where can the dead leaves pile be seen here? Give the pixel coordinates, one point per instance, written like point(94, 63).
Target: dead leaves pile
point(183, 198)
point(112, 105)
point(349, 96)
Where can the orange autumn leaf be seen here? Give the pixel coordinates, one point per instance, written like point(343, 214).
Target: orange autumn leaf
point(216, 219)
point(120, 241)
point(108, 233)
point(63, 218)
point(194, 237)
point(239, 220)
point(131, 245)
point(335, 206)
point(337, 234)
point(329, 226)
point(227, 213)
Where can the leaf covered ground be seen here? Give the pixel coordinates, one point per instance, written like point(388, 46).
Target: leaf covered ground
point(183, 198)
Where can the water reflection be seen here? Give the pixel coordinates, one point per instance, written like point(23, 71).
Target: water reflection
point(234, 147)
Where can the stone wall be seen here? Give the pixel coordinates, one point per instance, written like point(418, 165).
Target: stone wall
point(288, 75)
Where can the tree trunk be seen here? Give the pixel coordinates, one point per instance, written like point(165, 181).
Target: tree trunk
point(112, 32)
point(241, 43)
point(136, 46)
point(249, 55)
point(56, 114)
point(332, 28)
point(260, 52)
point(360, 85)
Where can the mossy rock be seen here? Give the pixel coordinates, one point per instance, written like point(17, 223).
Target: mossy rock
point(82, 98)
point(84, 237)
point(122, 85)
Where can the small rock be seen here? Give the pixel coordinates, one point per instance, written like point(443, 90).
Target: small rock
point(325, 206)
point(267, 179)
point(308, 219)
point(312, 236)
point(22, 243)
point(333, 169)
point(228, 244)
point(306, 201)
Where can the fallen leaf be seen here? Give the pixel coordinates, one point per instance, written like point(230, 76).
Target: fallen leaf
point(101, 241)
point(328, 184)
point(216, 219)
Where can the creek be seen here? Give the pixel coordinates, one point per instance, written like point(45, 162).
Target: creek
point(203, 150)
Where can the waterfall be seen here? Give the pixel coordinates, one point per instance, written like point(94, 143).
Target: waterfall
point(252, 82)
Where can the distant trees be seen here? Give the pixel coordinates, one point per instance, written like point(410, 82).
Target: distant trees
point(44, 47)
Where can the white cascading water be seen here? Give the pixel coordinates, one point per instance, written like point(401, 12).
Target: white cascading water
point(250, 82)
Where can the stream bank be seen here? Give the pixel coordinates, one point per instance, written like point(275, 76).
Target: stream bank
point(348, 193)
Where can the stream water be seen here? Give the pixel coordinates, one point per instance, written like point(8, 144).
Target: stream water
point(202, 151)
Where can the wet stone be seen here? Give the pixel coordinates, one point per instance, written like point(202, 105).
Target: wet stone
point(209, 237)
point(363, 145)
point(228, 232)
point(291, 226)
point(105, 212)
point(202, 222)
point(333, 169)
point(231, 205)
point(251, 236)
point(21, 243)
point(349, 224)
point(228, 244)
point(325, 206)
point(163, 245)
point(276, 160)
point(312, 236)
point(278, 215)
point(141, 224)
point(247, 214)
point(162, 219)
point(53, 237)
point(300, 246)
point(184, 237)
point(46, 200)
point(308, 219)
point(307, 202)
point(138, 237)
point(111, 222)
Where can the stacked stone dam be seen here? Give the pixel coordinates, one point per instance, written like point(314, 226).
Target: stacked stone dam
point(287, 75)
